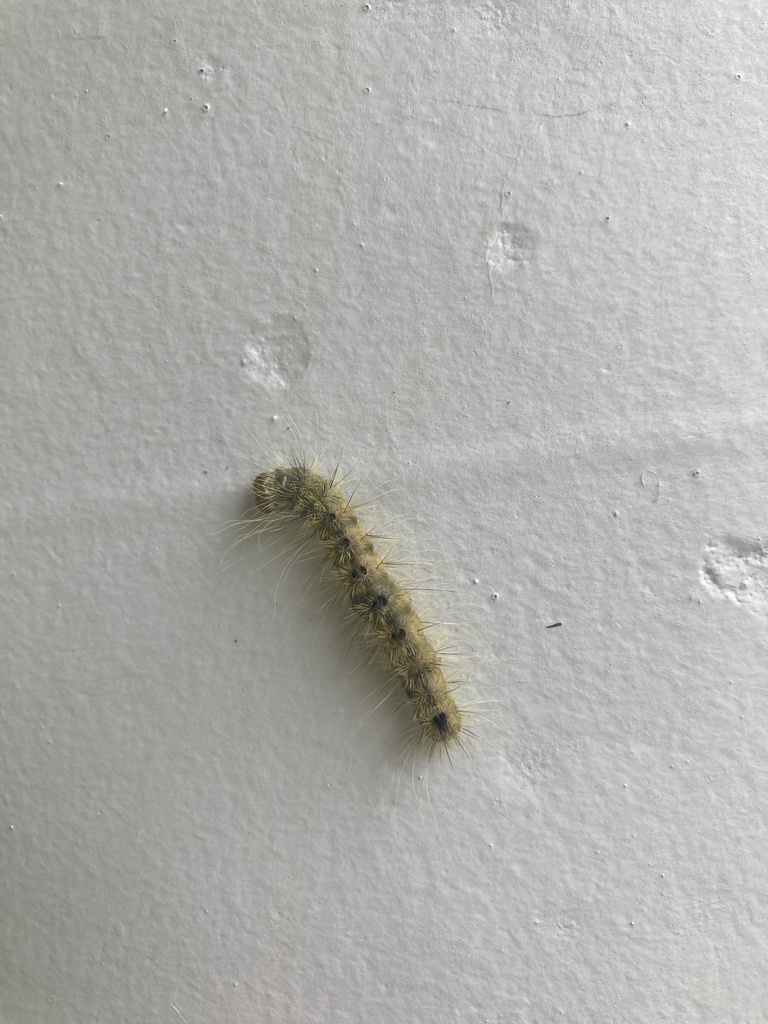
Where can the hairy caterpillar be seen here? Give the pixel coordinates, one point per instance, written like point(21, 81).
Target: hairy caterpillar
point(382, 607)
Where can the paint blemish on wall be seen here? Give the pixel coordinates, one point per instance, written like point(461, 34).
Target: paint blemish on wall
point(509, 249)
point(737, 570)
point(278, 355)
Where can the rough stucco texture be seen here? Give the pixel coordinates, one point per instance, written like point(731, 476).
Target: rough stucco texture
point(509, 259)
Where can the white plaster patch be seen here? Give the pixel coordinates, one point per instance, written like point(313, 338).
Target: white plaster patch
point(508, 250)
point(278, 355)
point(262, 364)
point(737, 570)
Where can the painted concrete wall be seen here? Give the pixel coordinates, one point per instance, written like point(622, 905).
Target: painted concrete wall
point(508, 258)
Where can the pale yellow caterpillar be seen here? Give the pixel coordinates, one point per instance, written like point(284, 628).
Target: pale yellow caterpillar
point(380, 605)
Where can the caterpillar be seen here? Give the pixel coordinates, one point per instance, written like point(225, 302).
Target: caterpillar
point(381, 606)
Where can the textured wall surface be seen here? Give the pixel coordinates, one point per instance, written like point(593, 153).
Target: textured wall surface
point(508, 258)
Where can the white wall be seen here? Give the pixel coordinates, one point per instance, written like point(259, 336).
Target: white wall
point(509, 257)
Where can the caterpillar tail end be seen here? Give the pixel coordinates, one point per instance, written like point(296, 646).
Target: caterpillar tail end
point(442, 729)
